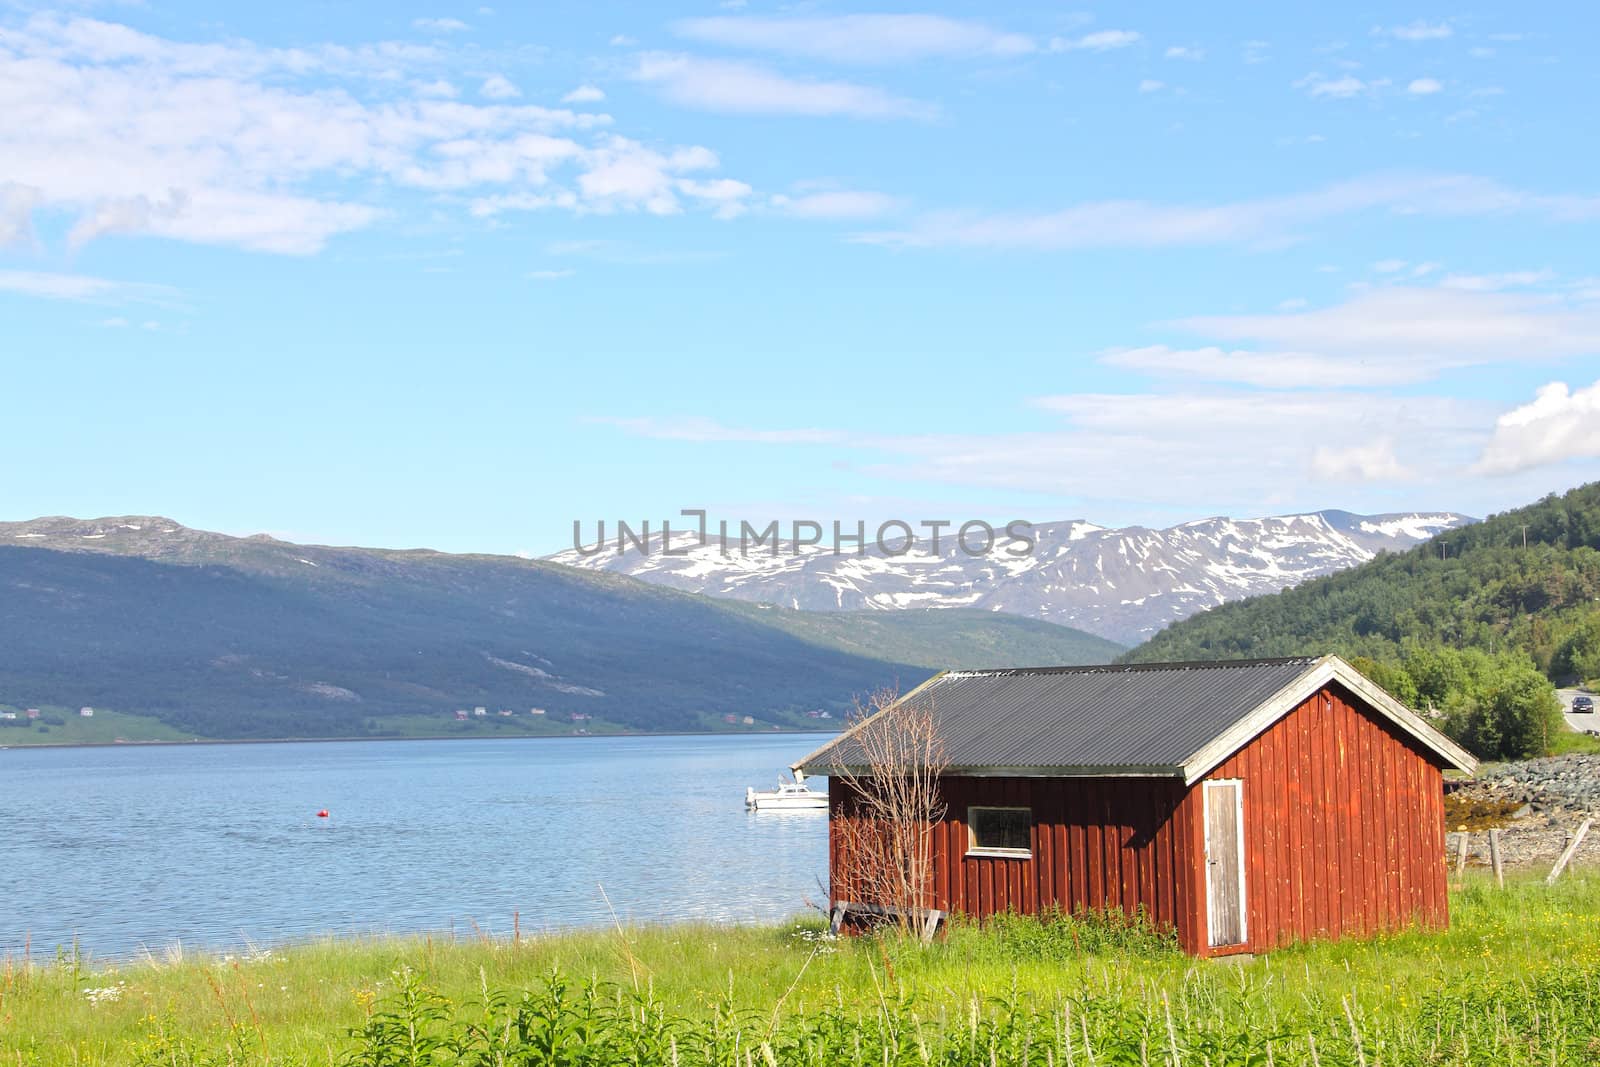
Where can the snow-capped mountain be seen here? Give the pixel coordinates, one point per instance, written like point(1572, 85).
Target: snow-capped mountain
point(1120, 584)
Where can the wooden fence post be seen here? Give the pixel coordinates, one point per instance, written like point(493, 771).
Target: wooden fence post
point(1461, 855)
point(1566, 856)
point(1494, 858)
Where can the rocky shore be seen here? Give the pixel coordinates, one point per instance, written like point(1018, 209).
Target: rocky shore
point(1536, 804)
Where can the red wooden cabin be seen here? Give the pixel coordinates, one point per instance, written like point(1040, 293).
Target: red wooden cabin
point(1242, 804)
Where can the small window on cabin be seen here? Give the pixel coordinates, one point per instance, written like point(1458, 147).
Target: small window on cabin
point(999, 831)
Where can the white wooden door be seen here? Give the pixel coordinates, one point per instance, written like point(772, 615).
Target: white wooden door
point(1225, 895)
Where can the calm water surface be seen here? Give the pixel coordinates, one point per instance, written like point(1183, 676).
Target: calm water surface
point(218, 846)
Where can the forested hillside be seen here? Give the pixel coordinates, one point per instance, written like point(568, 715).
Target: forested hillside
point(1459, 622)
point(1474, 587)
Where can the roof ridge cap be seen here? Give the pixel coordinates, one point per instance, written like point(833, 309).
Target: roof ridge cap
point(1122, 668)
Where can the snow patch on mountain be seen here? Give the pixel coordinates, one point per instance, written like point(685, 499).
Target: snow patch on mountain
point(1122, 584)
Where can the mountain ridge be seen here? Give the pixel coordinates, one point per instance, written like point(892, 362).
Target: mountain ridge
point(1122, 584)
point(223, 636)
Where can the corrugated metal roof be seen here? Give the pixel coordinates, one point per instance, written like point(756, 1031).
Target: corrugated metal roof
point(1146, 717)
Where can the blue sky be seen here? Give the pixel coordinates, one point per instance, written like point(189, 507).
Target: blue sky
point(456, 275)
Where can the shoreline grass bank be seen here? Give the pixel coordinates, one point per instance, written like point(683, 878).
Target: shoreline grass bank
point(1516, 980)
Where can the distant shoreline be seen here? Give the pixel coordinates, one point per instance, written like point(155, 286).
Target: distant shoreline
point(418, 737)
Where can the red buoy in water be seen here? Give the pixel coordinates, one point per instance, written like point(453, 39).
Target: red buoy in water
point(323, 814)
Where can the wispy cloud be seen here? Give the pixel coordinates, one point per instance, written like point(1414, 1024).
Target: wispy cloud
point(499, 87)
point(1486, 283)
point(1341, 88)
point(1424, 86)
point(17, 204)
point(1099, 41)
point(858, 39)
point(440, 25)
point(747, 88)
point(584, 94)
point(84, 287)
point(1241, 445)
point(1408, 333)
point(837, 204)
point(1416, 31)
point(1146, 224)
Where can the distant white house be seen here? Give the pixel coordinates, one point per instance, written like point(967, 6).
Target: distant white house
point(8, 715)
point(87, 713)
point(535, 711)
point(480, 712)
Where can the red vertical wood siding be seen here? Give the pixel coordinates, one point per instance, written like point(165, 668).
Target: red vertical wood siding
point(1362, 808)
point(1343, 836)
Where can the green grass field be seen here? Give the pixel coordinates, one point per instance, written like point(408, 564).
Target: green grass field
point(70, 728)
point(1516, 980)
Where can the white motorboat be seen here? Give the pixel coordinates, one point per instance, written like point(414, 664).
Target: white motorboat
point(789, 796)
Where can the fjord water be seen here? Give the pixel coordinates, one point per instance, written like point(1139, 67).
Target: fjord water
point(219, 846)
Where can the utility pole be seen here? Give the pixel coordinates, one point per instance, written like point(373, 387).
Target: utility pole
point(1524, 536)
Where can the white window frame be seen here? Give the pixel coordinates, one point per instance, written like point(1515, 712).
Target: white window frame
point(974, 849)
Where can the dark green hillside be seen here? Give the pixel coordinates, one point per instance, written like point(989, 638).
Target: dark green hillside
point(1474, 623)
point(1475, 587)
point(939, 638)
point(228, 637)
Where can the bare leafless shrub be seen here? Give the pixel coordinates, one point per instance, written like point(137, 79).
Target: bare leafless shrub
point(883, 831)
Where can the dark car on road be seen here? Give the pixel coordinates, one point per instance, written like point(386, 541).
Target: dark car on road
point(1583, 705)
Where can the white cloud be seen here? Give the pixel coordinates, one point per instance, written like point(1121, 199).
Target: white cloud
point(1274, 369)
point(1415, 31)
point(440, 25)
point(1099, 41)
point(1371, 462)
point(1227, 450)
point(858, 39)
point(115, 131)
point(1389, 266)
point(84, 287)
point(1424, 86)
point(1182, 51)
point(17, 204)
point(1238, 445)
point(584, 94)
point(1558, 425)
point(1485, 283)
point(746, 88)
point(728, 196)
point(1143, 224)
point(622, 40)
point(837, 204)
point(1341, 88)
point(1423, 330)
point(499, 87)
point(1150, 85)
